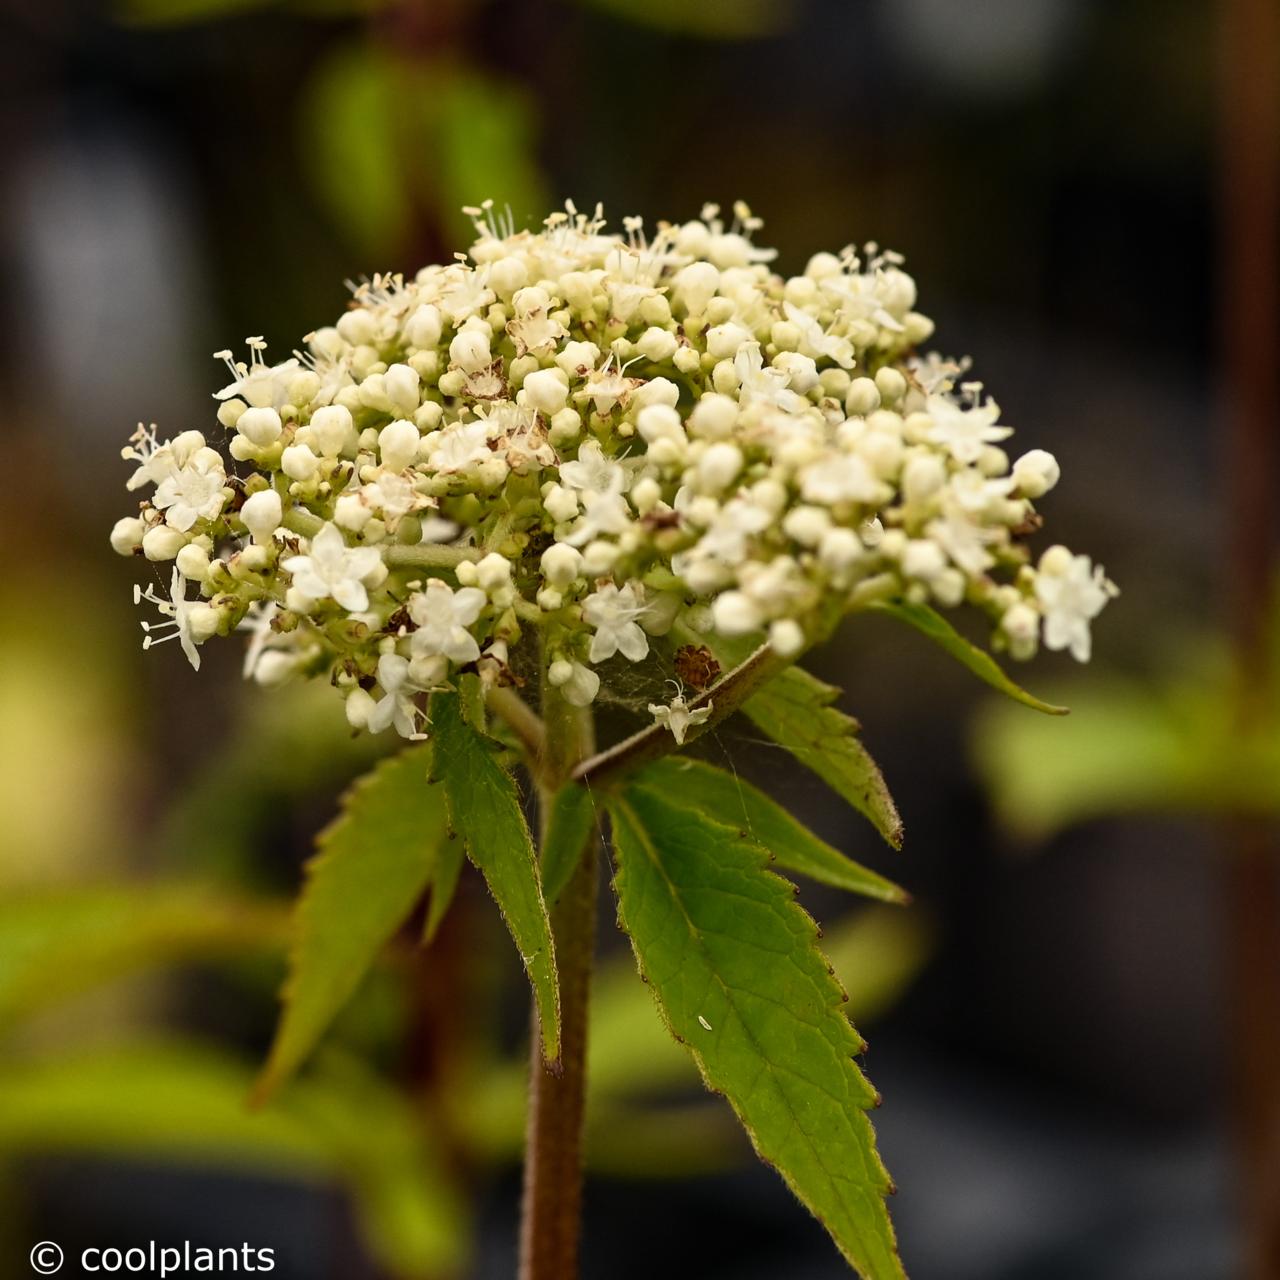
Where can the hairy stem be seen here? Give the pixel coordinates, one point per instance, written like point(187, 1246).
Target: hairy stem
point(551, 1215)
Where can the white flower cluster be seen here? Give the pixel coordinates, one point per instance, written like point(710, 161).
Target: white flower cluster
point(591, 438)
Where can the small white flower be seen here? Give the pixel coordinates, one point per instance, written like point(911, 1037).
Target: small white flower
point(332, 570)
point(678, 717)
point(592, 472)
point(186, 621)
point(964, 431)
point(461, 447)
point(1071, 595)
point(194, 492)
point(256, 384)
point(612, 612)
point(398, 705)
point(442, 616)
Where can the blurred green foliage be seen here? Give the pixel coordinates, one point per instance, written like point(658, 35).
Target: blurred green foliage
point(1170, 744)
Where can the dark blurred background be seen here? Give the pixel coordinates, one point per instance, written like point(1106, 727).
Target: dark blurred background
point(180, 173)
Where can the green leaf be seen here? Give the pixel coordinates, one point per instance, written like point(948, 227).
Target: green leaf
point(734, 963)
point(735, 802)
point(795, 709)
point(55, 943)
point(184, 1102)
point(484, 810)
point(931, 623)
point(372, 866)
point(573, 815)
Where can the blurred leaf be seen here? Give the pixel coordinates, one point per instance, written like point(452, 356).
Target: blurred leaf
point(385, 137)
point(450, 856)
point(573, 816)
point(361, 136)
point(57, 942)
point(185, 1102)
point(1126, 749)
point(711, 19)
point(735, 802)
point(486, 142)
point(373, 864)
point(736, 970)
point(484, 811)
point(932, 624)
point(795, 710)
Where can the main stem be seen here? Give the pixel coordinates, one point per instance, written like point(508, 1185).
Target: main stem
point(552, 1209)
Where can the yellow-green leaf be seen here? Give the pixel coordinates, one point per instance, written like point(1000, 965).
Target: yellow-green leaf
point(735, 802)
point(373, 864)
point(484, 810)
point(735, 966)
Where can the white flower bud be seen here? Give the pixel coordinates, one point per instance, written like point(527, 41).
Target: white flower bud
point(581, 687)
point(719, 466)
point(599, 557)
point(578, 357)
point(561, 564)
point(401, 384)
point(549, 599)
point(724, 340)
point(260, 427)
point(840, 549)
point(923, 476)
point(713, 417)
point(695, 285)
point(546, 391)
point(786, 637)
point(645, 495)
point(193, 562)
point(493, 573)
point(559, 673)
point(162, 542)
point(529, 300)
point(657, 344)
point(656, 391)
point(331, 429)
point(923, 559)
point(1036, 472)
point(262, 513)
point(736, 614)
point(398, 444)
point(203, 622)
point(424, 327)
point(561, 503)
point(229, 412)
point(350, 512)
point(469, 350)
point(298, 462)
point(660, 422)
point(126, 535)
point(806, 525)
point(1056, 561)
point(276, 667)
point(891, 384)
point(358, 327)
point(359, 707)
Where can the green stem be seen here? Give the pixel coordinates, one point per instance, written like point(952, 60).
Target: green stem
point(552, 1209)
